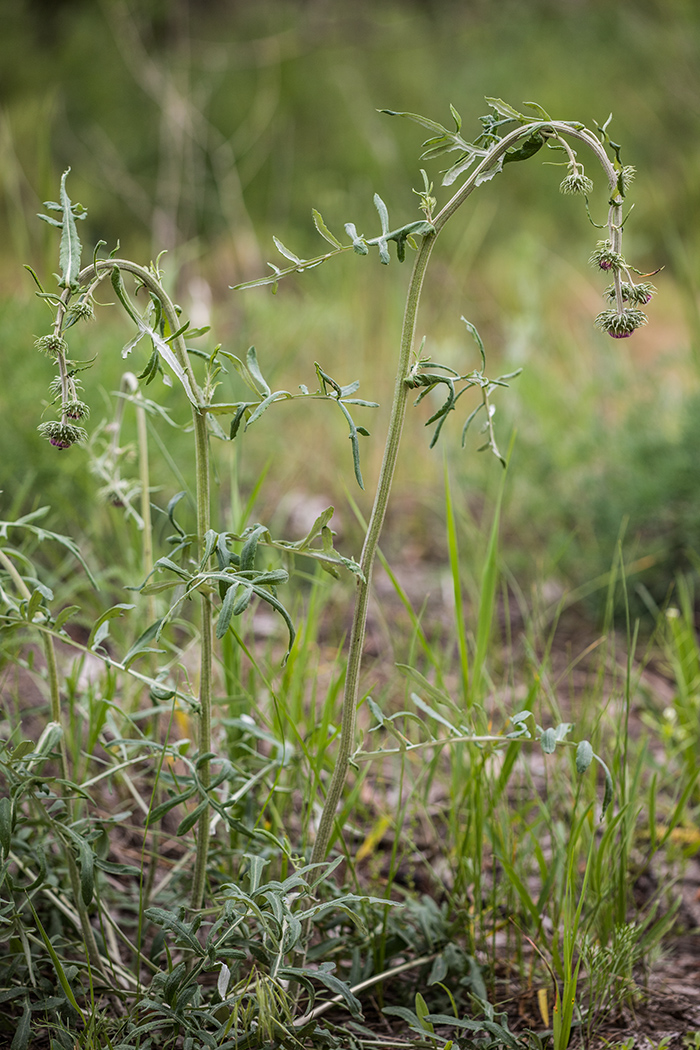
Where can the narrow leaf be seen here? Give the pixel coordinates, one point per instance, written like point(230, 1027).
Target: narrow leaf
point(60, 973)
point(254, 369)
point(278, 395)
point(5, 824)
point(323, 229)
point(69, 254)
point(222, 624)
point(286, 253)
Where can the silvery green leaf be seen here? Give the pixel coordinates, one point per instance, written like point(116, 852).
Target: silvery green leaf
point(323, 229)
point(548, 740)
point(69, 253)
point(287, 254)
point(584, 757)
point(315, 530)
point(433, 714)
point(5, 824)
point(462, 165)
point(538, 110)
point(222, 624)
point(486, 176)
point(383, 212)
point(277, 605)
point(223, 980)
point(506, 110)
point(278, 395)
point(254, 369)
point(243, 601)
point(250, 547)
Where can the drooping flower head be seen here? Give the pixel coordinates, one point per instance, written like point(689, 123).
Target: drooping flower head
point(62, 435)
point(621, 325)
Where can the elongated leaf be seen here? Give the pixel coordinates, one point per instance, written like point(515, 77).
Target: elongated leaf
point(529, 148)
point(69, 253)
point(337, 986)
point(538, 110)
point(250, 547)
point(154, 815)
point(584, 757)
point(141, 645)
point(60, 972)
point(188, 822)
point(506, 110)
point(27, 522)
point(315, 530)
point(167, 920)
point(243, 601)
point(502, 1035)
point(222, 624)
point(323, 229)
point(5, 824)
point(287, 254)
point(158, 341)
point(86, 864)
point(277, 605)
point(96, 635)
point(20, 1040)
point(433, 714)
point(64, 616)
point(254, 369)
point(428, 688)
point(278, 395)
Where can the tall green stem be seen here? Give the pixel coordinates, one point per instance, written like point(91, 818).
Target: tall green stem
point(369, 550)
point(393, 441)
point(203, 497)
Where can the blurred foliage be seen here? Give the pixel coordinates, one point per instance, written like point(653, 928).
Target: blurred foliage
point(205, 127)
point(213, 120)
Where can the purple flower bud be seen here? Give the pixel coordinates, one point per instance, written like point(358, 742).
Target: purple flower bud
point(606, 257)
point(58, 442)
point(62, 435)
point(621, 325)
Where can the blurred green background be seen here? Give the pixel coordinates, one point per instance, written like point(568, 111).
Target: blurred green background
point(205, 127)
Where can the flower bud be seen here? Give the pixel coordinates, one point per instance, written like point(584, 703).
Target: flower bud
point(52, 345)
point(62, 435)
point(621, 325)
point(75, 409)
point(576, 182)
point(81, 311)
point(639, 294)
point(607, 259)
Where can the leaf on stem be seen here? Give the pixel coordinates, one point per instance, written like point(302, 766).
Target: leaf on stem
point(70, 249)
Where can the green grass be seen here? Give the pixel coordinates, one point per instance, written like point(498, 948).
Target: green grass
point(475, 845)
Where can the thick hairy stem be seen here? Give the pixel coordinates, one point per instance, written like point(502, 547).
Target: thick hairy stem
point(398, 411)
point(203, 524)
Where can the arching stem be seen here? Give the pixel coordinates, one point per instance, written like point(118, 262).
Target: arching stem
point(398, 411)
